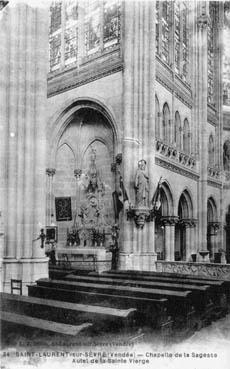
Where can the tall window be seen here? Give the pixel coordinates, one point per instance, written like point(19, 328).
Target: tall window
point(166, 14)
point(211, 44)
point(173, 16)
point(80, 29)
point(186, 137)
point(166, 123)
point(157, 118)
point(177, 130)
point(185, 45)
point(211, 151)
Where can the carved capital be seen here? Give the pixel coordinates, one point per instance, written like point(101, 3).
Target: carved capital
point(169, 220)
point(119, 158)
point(113, 167)
point(202, 22)
point(50, 172)
point(189, 223)
point(141, 215)
point(77, 173)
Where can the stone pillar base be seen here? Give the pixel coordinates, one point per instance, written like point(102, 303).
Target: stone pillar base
point(28, 270)
point(125, 261)
point(147, 261)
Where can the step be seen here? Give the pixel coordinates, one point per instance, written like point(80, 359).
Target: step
point(42, 324)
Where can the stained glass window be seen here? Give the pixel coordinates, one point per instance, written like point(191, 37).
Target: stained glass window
point(177, 36)
point(111, 22)
point(157, 27)
point(55, 16)
point(71, 31)
point(211, 54)
point(55, 51)
point(165, 30)
point(92, 26)
point(185, 39)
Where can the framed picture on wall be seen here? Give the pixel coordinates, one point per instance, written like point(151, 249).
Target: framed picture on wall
point(63, 208)
point(51, 234)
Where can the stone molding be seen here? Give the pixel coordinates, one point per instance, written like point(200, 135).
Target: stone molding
point(214, 172)
point(214, 183)
point(70, 79)
point(216, 271)
point(174, 154)
point(174, 167)
point(164, 76)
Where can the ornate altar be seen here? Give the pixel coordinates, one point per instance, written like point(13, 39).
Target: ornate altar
point(90, 237)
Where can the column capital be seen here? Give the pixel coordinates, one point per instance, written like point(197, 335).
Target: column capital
point(50, 171)
point(77, 173)
point(190, 222)
point(118, 158)
point(202, 21)
point(170, 220)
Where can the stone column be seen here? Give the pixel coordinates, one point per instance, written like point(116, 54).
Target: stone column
point(49, 199)
point(129, 142)
point(139, 71)
point(201, 106)
point(169, 232)
point(41, 55)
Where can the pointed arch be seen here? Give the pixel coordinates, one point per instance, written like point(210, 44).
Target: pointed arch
point(166, 123)
point(211, 210)
point(185, 206)
point(186, 137)
point(177, 130)
point(157, 118)
point(166, 200)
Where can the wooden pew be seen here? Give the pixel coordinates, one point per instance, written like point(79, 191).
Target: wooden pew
point(218, 293)
point(178, 304)
point(149, 310)
point(200, 298)
point(65, 312)
point(42, 324)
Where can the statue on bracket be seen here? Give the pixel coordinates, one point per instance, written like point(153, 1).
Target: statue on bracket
point(141, 184)
point(93, 176)
point(226, 155)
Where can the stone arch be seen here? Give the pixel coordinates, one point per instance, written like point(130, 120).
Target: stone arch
point(166, 200)
point(183, 227)
point(211, 210)
point(65, 115)
point(185, 205)
point(212, 227)
point(165, 213)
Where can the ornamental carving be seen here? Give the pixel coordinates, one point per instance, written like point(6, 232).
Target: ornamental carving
point(50, 172)
point(218, 271)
